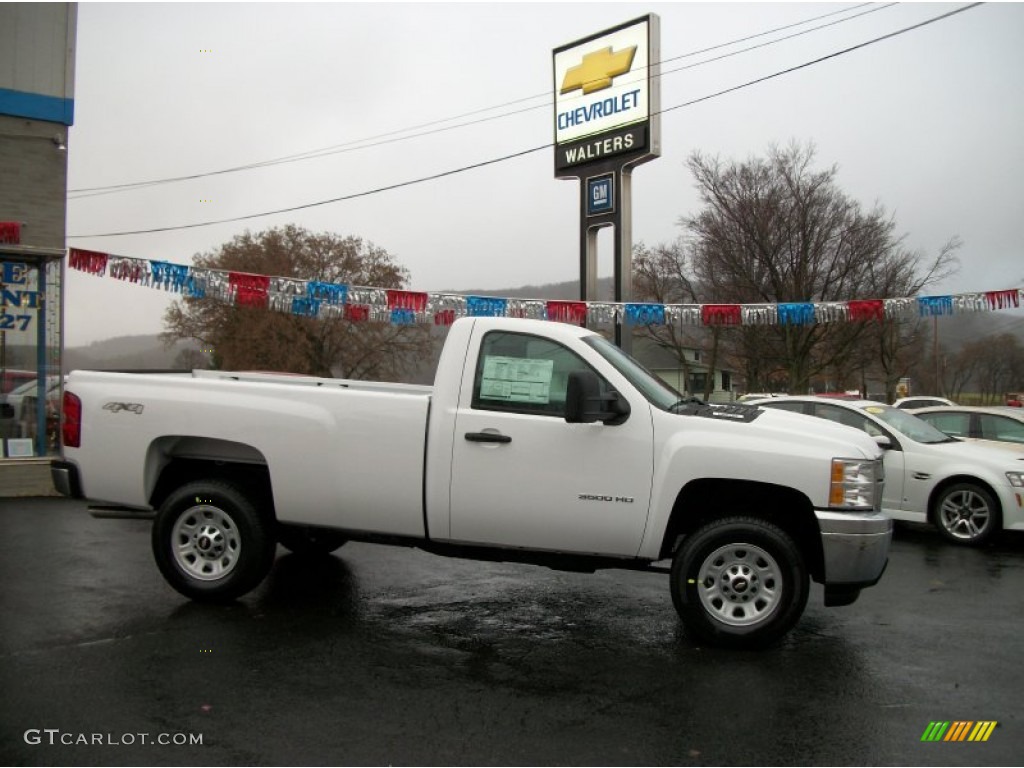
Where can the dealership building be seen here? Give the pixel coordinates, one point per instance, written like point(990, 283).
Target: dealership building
point(37, 69)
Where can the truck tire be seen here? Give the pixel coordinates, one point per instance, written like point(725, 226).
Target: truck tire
point(309, 541)
point(966, 514)
point(211, 543)
point(739, 582)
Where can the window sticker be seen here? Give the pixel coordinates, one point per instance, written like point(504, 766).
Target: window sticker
point(517, 380)
point(875, 409)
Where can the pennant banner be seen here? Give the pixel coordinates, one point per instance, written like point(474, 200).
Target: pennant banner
point(317, 299)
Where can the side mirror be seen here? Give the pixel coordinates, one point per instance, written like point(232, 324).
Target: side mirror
point(883, 442)
point(585, 403)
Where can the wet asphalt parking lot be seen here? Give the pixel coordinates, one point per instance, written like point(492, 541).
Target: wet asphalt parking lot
point(388, 656)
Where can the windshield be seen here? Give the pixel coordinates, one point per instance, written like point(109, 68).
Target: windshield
point(908, 424)
point(654, 389)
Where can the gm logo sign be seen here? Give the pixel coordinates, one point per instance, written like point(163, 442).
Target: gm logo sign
point(601, 194)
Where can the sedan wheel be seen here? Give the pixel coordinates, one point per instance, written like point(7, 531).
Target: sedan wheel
point(967, 514)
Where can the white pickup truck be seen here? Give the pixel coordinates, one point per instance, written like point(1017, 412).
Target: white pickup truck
point(539, 442)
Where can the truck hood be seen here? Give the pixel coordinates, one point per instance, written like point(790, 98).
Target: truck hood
point(753, 423)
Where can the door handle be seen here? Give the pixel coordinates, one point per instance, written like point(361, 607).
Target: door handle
point(487, 437)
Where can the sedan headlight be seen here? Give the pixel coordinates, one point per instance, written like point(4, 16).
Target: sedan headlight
point(856, 484)
point(1016, 479)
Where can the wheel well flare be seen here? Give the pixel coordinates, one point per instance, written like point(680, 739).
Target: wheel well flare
point(702, 501)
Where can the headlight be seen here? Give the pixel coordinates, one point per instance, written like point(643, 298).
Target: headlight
point(1016, 479)
point(855, 484)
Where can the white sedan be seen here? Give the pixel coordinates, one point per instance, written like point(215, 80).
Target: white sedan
point(968, 491)
point(998, 427)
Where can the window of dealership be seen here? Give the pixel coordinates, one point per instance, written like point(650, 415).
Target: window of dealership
point(30, 350)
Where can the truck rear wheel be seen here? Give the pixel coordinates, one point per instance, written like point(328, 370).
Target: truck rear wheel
point(739, 582)
point(211, 543)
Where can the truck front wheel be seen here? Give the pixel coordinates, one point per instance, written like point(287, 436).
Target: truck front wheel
point(211, 543)
point(739, 582)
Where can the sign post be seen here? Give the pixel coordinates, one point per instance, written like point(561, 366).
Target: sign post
point(607, 122)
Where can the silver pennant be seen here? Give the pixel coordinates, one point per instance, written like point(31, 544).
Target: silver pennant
point(969, 302)
point(690, 314)
point(832, 311)
point(601, 313)
point(900, 309)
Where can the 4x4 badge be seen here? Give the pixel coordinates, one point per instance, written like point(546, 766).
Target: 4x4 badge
point(135, 408)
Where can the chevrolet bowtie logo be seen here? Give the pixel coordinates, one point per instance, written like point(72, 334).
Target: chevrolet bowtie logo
point(598, 69)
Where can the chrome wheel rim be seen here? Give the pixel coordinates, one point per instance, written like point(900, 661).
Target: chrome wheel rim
point(740, 584)
point(965, 514)
point(206, 543)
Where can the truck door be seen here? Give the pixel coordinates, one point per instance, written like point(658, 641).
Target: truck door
point(523, 477)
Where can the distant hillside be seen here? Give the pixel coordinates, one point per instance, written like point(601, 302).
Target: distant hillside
point(569, 290)
point(957, 330)
point(126, 352)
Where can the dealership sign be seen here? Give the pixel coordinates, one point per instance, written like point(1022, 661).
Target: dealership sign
point(606, 98)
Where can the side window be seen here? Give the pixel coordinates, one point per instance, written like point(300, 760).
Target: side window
point(954, 424)
point(1001, 428)
point(523, 374)
point(848, 418)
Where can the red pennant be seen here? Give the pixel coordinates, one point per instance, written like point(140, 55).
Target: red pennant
point(721, 314)
point(444, 317)
point(10, 232)
point(413, 300)
point(357, 313)
point(871, 309)
point(574, 312)
point(1003, 299)
point(93, 262)
point(250, 290)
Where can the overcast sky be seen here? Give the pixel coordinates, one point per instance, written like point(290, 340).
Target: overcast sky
point(929, 124)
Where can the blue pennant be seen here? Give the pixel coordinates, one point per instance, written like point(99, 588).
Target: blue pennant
point(483, 306)
point(796, 314)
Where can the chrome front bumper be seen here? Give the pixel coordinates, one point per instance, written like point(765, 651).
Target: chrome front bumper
point(855, 547)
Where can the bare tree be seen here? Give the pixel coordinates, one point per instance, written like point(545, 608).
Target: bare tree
point(897, 343)
point(999, 360)
point(775, 230)
point(253, 338)
point(191, 359)
point(661, 275)
point(957, 371)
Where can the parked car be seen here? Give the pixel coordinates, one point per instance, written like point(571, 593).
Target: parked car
point(11, 378)
point(968, 491)
point(18, 412)
point(758, 396)
point(921, 401)
point(22, 398)
point(1015, 399)
point(999, 427)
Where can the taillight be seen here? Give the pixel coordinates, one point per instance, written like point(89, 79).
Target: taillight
point(71, 428)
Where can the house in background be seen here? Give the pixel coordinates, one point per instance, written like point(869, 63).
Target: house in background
point(692, 380)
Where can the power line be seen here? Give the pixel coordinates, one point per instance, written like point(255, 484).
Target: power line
point(525, 152)
point(395, 136)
